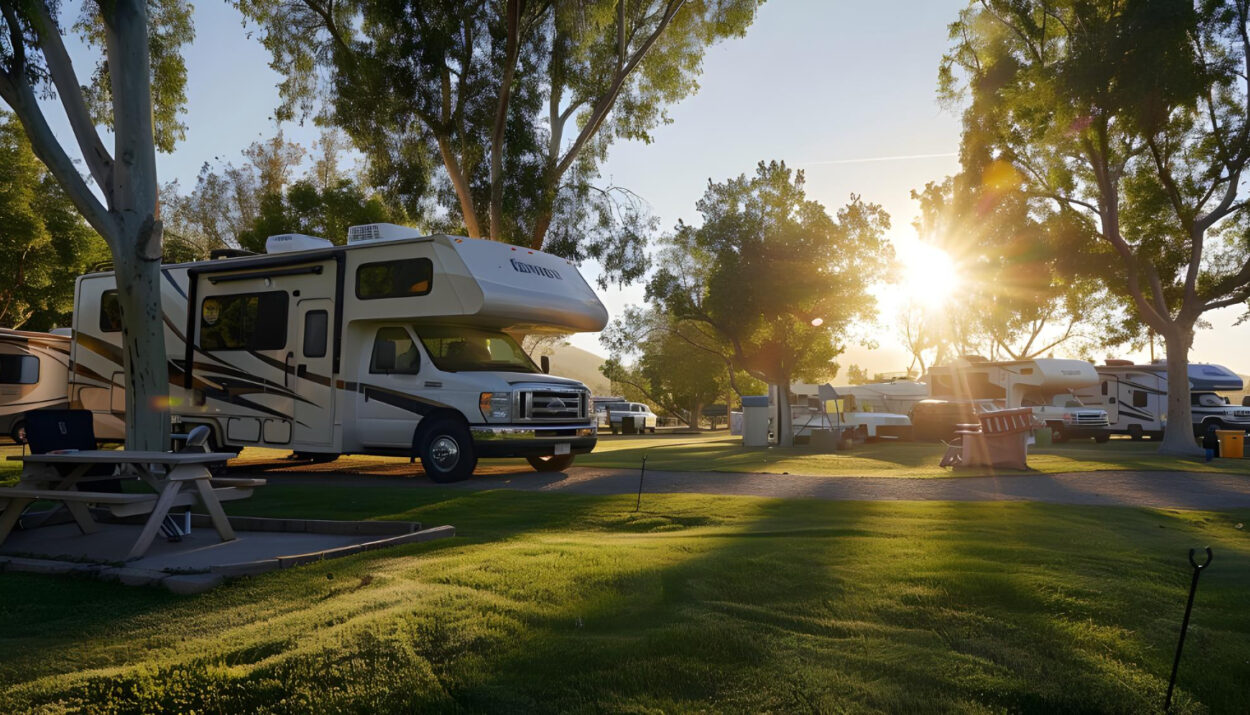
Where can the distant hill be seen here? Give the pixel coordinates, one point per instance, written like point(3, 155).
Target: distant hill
point(577, 364)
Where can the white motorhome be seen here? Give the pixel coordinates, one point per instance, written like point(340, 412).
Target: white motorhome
point(394, 344)
point(34, 374)
point(895, 396)
point(1136, 397)
point(1050, 386)
point(823, 407)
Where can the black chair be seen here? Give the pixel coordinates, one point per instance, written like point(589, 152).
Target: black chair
point(51, 430)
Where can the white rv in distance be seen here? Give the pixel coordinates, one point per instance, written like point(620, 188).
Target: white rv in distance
point(1050, 386)
point(34, 374)
point(1136, 397)
point(395, 344)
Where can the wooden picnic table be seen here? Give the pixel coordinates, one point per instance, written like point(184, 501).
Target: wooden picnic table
point(164, 472)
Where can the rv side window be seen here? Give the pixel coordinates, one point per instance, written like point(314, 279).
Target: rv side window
point(19, 369)
point(244, 321)
point(110, 312)
point(1139, 398)
point(315, 324)
point(394, 353)
point(394, 279)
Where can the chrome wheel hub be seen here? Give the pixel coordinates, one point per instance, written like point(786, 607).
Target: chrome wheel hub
point(445, 452)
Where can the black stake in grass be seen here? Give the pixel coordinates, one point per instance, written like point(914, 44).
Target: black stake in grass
point(641, 474)
point(1189, 606)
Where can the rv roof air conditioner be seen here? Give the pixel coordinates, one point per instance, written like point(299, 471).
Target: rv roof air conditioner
point(288, 242)
point(380, 232)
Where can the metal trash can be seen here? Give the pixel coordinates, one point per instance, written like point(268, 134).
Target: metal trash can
point(1232, 443)
point(755, 420)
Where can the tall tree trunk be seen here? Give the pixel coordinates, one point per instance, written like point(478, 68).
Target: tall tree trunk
point(144, 358)
point(1178, 437)
point(512, 50)
point(785, 421)
point(137, 251)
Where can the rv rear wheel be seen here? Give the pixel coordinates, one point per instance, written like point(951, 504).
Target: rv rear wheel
point(18, 433)
point(1135, 433)
point(553, 463)
point(446, 452)
point(1057, 434)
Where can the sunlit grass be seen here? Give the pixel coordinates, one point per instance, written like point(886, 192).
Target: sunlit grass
point(718, 452)
point(564, 602)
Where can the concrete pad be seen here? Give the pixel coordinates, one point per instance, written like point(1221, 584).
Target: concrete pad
point(200, 561)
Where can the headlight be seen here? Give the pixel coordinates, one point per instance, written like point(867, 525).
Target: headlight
point(496, 406)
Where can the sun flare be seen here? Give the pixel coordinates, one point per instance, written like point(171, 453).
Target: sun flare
point(930, 275)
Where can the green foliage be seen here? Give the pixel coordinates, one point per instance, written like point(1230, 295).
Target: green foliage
point(681, 366)
point(497, 115)
point(241, 206)
point(1125, 124)
point(46, 243)
point(773, 274)
point(170, 28)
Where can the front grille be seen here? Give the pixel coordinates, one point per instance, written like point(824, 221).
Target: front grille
point(553, 405)
point(1091, 419)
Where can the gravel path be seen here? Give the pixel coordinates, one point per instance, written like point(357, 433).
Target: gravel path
point(1148, 489)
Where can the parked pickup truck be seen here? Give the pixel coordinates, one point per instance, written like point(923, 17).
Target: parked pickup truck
point(1068, 418)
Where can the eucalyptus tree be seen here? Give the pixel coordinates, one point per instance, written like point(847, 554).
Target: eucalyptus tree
point(775, 276)
point(499, 112)
point(1132, 120)
point(137, 91)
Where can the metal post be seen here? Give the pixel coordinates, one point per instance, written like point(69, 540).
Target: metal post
point(641, 474)
point(1189, 605)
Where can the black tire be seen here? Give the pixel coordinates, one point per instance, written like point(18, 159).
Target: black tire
point(18, 433)
point(652, 430)
point(1102, 438)
point(446, 452)
point(1135, 433)
point(554, 463)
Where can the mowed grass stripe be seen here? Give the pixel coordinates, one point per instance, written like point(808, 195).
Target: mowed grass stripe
point(563, 602)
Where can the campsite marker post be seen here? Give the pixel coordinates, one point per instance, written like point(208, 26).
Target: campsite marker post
point(641, 474)
point(1189, 606)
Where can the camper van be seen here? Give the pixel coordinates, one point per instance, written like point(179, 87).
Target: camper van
point(1050, 386)
point(1136, 397)
point(34, 374)
point(394, 344)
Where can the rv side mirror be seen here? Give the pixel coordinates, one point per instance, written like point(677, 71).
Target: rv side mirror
point(545, 363)
point(384, 356)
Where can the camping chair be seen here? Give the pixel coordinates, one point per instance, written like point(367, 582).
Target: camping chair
point(195, 441)
point(52, 430)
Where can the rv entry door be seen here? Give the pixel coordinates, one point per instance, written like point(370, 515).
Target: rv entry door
point(314, 375)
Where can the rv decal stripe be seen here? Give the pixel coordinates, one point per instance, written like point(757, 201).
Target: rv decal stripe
point(100, 347)
point(403, 401)
point(174, 283)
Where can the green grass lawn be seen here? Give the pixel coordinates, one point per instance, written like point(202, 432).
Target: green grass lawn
point(719, 452)
point(563, 602)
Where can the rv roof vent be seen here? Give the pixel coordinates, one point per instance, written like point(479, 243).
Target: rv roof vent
point(1112, 362)
point(380, 232)
point(287, 242)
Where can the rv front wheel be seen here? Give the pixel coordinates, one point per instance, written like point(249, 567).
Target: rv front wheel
point(19, 433)
point(446, 452)
point(554, 463)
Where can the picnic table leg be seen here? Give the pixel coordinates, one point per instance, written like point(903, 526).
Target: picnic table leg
point(169, 492)
point(80, 512)
point(209, 498)
point(12, 512)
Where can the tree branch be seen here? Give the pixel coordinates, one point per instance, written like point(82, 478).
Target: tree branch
point(98, 159)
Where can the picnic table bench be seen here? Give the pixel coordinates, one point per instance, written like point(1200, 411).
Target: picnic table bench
point(166, 473)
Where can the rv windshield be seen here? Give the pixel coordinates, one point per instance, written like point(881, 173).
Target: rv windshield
point(463, 349)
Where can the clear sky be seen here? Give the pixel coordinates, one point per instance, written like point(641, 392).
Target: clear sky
point(844, 91)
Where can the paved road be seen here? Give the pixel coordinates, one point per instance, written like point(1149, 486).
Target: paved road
point(1150, 489)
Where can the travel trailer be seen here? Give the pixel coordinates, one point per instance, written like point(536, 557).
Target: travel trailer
point(823, 407)
point(1049, 386)
point(394, 344)
point(896, 396)
point(1136, 397)
point(34, 374)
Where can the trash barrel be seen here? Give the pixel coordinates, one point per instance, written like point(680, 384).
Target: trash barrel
point(1232, 442)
